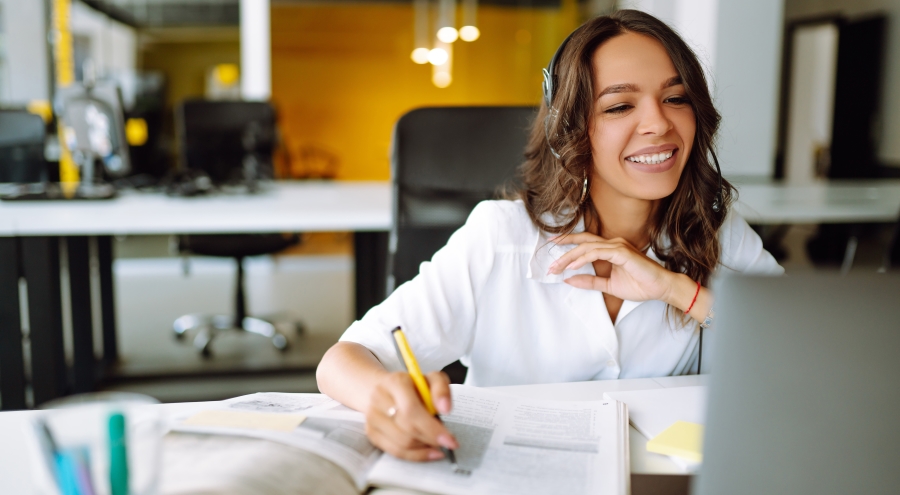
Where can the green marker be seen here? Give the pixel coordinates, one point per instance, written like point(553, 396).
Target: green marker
point(118, 455)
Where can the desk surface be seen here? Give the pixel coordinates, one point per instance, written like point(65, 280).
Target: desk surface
point(307, 206)
point(15, 468)
point(834, 201)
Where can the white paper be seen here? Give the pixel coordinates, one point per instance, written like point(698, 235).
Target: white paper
point(514, 445)
point(652, 411)
point(508, 444)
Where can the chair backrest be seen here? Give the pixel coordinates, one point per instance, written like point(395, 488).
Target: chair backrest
point(217, 136)
point(21, 147)
point(444, 161)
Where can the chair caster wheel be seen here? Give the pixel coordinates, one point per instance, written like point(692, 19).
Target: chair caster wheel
point(280, 342)
point(206, 352)
point(179, 336)
point(299, 328)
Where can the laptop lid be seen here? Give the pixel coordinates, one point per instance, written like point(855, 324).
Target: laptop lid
point(805, 393)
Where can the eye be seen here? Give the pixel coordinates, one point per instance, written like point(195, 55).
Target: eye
point(677, 100)
point(618, 109)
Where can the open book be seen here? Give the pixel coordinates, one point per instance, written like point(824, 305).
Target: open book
point(508, 444)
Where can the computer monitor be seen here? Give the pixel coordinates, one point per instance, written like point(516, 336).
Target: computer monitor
point(231, 141)
point(22, 147)
point(804, 394)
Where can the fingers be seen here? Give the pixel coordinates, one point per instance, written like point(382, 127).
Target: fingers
point(389, 437)
point(589, 282)
point(439, 383)
point(583, 254)
point(411, 432)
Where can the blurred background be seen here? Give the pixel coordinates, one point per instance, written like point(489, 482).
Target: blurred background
point(809, 91)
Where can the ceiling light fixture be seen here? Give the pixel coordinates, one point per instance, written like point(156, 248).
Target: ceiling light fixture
point(469, 31)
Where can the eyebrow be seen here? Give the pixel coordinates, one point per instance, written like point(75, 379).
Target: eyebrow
point(634, 88)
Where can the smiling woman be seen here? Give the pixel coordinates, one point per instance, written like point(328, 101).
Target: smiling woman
point(619, 224)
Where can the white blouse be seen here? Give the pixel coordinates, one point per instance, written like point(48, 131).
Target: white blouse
point(486, 299)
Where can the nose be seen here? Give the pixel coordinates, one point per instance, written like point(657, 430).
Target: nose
point(653, 120)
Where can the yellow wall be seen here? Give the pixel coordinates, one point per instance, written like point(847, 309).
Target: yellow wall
point(185, 64)
point(341, 75)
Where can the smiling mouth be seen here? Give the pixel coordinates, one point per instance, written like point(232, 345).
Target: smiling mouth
point(651, 158)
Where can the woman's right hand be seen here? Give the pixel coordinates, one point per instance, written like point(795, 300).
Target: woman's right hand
point(398, 423)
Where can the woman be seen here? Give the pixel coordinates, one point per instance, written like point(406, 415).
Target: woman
point(600, 268)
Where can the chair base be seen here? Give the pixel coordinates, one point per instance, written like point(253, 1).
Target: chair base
point(208, 326)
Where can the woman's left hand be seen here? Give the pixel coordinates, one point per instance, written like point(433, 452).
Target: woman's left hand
point(634, 276)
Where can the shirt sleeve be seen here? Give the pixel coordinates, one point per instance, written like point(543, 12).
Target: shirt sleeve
point(437, 308)
point(742, 250)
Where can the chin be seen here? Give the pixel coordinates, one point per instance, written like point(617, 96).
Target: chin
point(652, 190)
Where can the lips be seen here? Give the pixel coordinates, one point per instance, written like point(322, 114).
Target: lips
point(654, 159)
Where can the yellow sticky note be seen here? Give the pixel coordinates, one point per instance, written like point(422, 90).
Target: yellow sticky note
point(682, 439)
point(249, 420)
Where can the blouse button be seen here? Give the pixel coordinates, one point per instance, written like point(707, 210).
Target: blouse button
point(610, 363)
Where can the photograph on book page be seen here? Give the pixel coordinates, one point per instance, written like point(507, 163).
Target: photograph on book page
point(514, 445)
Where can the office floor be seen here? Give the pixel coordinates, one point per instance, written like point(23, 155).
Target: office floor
point(312, 285)
point(152, 290)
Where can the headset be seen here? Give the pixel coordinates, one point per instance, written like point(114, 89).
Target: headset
point(549, 90)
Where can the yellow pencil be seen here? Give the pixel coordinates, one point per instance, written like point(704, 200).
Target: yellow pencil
point(412, 367)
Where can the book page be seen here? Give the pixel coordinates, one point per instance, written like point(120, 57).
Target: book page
point(329, 429)
point(514, 445)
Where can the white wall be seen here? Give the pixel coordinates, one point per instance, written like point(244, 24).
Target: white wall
point(747, 82)
point(739, 43)
point(256, 50)
point(113, 44)
point(811, 100)
point(25, 66)
point(889, 146)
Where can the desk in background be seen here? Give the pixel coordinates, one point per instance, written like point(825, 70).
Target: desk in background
point(29, 245)
point(833, 201)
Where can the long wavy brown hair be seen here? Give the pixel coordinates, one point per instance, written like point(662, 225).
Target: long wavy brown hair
point(683, 228)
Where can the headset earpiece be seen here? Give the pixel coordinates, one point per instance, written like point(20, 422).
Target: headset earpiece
point(549, 89)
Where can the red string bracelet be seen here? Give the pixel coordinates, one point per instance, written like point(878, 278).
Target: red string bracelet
point(694, 299)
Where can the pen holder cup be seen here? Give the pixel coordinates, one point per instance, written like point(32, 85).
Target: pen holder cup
point(106, 443)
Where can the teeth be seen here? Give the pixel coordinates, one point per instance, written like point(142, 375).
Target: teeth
point(652, 158)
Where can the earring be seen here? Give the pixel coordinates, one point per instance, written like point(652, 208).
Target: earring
point(584, 189)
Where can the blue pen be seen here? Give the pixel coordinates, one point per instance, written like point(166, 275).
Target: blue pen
point(68, 479)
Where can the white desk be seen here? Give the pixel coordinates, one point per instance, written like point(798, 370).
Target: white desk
point(282, 207)
point(15, 468)
point(29, 232)
point(835, 201)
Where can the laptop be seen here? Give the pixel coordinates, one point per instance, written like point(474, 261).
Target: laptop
point(804, 397)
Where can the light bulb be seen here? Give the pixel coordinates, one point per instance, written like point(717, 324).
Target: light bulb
point(442, 79)
point(469, 33)
point(420, 55)
point(438, 56)
point(447, 34)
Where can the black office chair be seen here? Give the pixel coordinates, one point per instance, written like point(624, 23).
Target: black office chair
point(22, 147)
point(230, 142)
point(444, 161)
